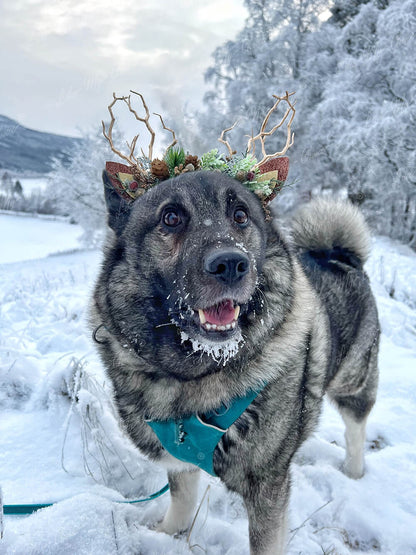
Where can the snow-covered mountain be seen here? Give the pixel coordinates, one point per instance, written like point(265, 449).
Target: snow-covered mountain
point(27, 150)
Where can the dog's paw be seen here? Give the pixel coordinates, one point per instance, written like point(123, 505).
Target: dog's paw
point(172, 525)
point(353, 469)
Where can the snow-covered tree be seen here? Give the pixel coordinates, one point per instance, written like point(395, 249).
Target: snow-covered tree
point(6, 183)
point(362, 131)
point(265, 59)
point(77, 188)
point(343, 11)
point(355, 81)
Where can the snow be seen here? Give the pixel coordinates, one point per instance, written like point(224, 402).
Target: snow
point(60, 441)
point(22, 240)
point(221, 353)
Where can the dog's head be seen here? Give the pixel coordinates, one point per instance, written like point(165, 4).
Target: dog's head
point(192, 253)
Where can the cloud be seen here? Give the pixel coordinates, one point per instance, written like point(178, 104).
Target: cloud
point(65, 58)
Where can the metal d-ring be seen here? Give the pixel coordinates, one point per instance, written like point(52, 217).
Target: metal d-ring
point(94, 334)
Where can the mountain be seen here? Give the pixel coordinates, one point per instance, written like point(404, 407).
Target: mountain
point(27, 150)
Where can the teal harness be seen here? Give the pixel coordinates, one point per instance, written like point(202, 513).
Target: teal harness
point(193, 439)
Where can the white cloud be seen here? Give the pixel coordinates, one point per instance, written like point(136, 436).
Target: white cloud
point(65, 58)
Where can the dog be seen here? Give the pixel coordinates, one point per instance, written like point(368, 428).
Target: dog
point(201, 300)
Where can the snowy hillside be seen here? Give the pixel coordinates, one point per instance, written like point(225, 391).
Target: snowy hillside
point(59, 439)
point(23, 149)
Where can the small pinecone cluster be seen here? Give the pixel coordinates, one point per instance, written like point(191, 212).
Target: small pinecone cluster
point(191, 164)
point(193, 160)
point(159, 169)
point(141, 177)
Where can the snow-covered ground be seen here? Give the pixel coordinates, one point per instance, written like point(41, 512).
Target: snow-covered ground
point(23, 239)
point(59, 439)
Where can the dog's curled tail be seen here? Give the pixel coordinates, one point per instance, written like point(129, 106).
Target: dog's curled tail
point(332, 229)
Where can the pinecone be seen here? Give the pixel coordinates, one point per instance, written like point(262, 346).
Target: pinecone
point(190, 159)
point(241, 176)
point(159, 169)
point(143, 178)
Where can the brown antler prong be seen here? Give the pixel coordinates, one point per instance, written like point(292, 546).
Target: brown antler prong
point(173, 143)
point(109, 134)
point(145, 120)
point(263, 134)
point(132, 148)
point(226, 143)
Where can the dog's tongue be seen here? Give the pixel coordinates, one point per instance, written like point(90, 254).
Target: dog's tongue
point(220, 314)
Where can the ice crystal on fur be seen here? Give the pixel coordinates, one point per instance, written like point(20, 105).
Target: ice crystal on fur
point(221, 353)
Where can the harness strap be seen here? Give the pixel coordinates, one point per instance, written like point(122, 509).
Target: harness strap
point(193, 439)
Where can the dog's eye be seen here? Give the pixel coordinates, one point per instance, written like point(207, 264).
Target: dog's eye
point(240, 216)
point(171, 218)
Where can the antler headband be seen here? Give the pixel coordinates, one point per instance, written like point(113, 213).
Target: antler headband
point(264, 177)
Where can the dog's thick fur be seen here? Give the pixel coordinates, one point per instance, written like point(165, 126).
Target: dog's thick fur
point(308, 324)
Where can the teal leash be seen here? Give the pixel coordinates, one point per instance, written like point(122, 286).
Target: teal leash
point(32, 508)
point(190, 439)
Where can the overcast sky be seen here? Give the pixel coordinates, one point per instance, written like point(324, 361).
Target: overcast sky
point(61, 60)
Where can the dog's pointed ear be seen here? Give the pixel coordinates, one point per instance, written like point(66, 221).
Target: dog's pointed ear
point(118, 209)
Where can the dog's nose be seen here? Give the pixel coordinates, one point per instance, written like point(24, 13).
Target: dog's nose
point(227, 266)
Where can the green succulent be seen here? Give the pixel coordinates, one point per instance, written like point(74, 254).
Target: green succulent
point(174, 157)
point(243, 163)
point(213, 161)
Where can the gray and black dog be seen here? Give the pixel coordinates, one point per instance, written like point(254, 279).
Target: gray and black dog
point(201, 300)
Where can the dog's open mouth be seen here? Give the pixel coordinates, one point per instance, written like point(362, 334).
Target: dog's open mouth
point(221, 317)
point(217, 332)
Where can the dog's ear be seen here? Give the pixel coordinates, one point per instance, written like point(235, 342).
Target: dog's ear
point(118, 209)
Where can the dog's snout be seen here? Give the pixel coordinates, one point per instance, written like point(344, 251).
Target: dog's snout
point(227, 266)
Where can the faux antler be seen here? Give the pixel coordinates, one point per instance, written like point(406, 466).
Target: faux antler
point(226, 143)
point(109, 136)
point(173, 143)
point(130, 157)
point(263, 134)
point(144, 120)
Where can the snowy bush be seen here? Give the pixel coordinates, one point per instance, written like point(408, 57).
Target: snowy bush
point(77, 188)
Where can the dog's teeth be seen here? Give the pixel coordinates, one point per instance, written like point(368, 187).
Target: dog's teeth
point(228, 326)
point(208, 326)
point(202, 316)
point(221, 328)
point(233, 324)
point(236, 312)
point(214, 326)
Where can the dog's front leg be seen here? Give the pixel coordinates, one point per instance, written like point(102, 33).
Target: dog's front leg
point(183, 494)
point(266, 504)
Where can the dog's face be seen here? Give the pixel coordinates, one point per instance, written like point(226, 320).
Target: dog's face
point(195, 245)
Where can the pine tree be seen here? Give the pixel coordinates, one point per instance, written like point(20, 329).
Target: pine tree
point(18, 189)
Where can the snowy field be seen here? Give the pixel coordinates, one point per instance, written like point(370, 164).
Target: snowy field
point(59, 439)
point(26, 238)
